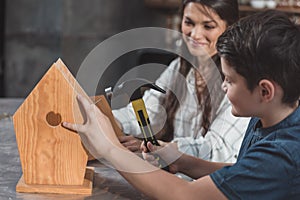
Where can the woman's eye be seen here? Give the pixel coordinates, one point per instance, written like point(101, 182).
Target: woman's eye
point(188, 22)
point(208, 27)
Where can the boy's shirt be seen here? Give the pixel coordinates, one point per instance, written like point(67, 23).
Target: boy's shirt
point(268, 165)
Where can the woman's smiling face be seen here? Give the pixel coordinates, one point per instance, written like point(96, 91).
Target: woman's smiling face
point(201, 27)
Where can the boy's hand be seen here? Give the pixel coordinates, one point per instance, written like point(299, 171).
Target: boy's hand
point(167, 151)
point(96, 132)
point(131, 143)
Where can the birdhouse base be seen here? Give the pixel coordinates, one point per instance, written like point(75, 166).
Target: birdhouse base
point(86, 188)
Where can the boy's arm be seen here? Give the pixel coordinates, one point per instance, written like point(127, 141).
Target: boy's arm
point(159, 184)
point(156, 183)
point(179, 162)
point(197, 168)
point(98, 136)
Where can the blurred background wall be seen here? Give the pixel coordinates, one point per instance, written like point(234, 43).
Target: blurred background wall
point(35, 33)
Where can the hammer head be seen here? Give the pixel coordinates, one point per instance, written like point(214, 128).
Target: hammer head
point(133, 88)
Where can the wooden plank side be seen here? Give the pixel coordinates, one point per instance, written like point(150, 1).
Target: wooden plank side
point(101, 102)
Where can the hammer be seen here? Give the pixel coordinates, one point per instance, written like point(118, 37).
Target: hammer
point(134, 89)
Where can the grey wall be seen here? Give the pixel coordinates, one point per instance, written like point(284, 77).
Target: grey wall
point(37, 32)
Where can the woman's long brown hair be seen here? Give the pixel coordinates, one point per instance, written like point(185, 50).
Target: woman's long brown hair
point(211, 96)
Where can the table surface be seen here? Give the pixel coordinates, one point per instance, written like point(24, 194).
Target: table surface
point(107, 184)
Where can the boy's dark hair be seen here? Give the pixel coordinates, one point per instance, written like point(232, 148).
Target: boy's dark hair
point(265, 45)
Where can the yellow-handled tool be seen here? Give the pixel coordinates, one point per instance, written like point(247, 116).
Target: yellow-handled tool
point(143, 120)
point(134, 88)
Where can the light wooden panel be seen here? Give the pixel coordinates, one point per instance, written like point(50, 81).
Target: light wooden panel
point(103, 105)
point(101, 102)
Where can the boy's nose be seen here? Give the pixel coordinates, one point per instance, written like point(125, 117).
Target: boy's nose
point(224, 86)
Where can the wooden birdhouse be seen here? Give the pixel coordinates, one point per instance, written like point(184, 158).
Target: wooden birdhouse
point(53, 158)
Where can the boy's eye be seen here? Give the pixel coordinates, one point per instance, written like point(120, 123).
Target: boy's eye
point(227, 80)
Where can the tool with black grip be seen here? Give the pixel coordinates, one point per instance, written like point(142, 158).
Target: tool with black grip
point(134, 88)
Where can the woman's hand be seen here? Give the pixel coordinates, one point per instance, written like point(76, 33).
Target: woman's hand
point(96, 132)
point(131, 143)
point(167, 151)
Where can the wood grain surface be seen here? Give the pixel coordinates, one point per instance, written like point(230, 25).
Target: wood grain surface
point(85, 188)
point(49, 153)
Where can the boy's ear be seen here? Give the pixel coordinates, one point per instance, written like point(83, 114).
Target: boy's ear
point(267, 90)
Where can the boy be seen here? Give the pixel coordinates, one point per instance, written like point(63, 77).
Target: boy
point(261, 62)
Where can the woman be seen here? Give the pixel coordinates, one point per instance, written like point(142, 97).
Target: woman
point(199, 124)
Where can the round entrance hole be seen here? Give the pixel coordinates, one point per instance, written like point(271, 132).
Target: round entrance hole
point(53, 119)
